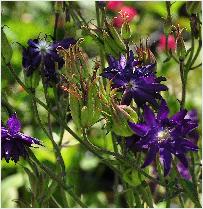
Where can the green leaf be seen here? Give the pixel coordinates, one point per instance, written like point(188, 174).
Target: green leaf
point(189, 189)
point(6, 50)
point(131, 176)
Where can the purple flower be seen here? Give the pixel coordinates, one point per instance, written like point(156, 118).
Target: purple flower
point(165, 136)
point(44, 53)
point(136, 81)
point(13, 142)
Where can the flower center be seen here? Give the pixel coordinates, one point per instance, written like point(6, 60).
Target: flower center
point(43, 47)
point(132, 84)
point(163, 136)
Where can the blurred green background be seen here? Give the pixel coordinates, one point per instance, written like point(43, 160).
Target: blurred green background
point(25, 20)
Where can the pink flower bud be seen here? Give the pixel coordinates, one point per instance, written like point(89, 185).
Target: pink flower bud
point(171, 42)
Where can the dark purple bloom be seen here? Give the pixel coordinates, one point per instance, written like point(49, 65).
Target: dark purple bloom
point(43, 54)
point(136, 81)
point(13, 142)
point(165, 136)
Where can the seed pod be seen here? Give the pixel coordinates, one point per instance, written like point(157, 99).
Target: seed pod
point(180, 46)
point(131, 114)
point(120, 120)
point(93, 104)
point(85, 117)
point(109, 46)
point(116, 37)
point(75, 108)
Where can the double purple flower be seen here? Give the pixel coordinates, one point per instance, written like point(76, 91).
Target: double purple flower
point(43, 54)
point(136, 81)
point(166, 136)
point(13, 142)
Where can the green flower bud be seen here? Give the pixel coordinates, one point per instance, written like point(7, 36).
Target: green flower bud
point(120, 118)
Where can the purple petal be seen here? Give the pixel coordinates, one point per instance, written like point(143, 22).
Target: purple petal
point(150, 156)
point(179, 116)
point(36, 60)
point(141, 97)
point(184, 172)
point(65, 43)
point(166, 157)
point(127, 98)
point(4, 132)
point(145, 142)
point(189, 145)
point(28, 139)
point(7, 150)
point(188, 127)
point(149, 116)
point(182, 159)
point(122, 61)
point(192, 115)
point(32, 43)
point(139, 129)
point(163, 111)
point(13, 124)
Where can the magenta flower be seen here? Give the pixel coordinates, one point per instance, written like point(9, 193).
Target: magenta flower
point(13, 142)
point(114, 5)
point(127, 13)
point(171, 42)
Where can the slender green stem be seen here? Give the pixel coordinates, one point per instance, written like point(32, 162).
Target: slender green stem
point(100, 24)
point(192, 171)
point(195, 56)
point(181, 201)
point(191, 52)
point(55, 178)
point(115, 189)
point(57, 151)
point(55, 202)
point(197, 66)
point(183, 75)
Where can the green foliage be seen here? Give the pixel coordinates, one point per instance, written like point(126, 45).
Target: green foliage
point(6, 50)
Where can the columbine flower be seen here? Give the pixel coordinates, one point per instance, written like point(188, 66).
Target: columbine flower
point(165, 136)
point(136, 81)
point(13, 142)
point(42, 53)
